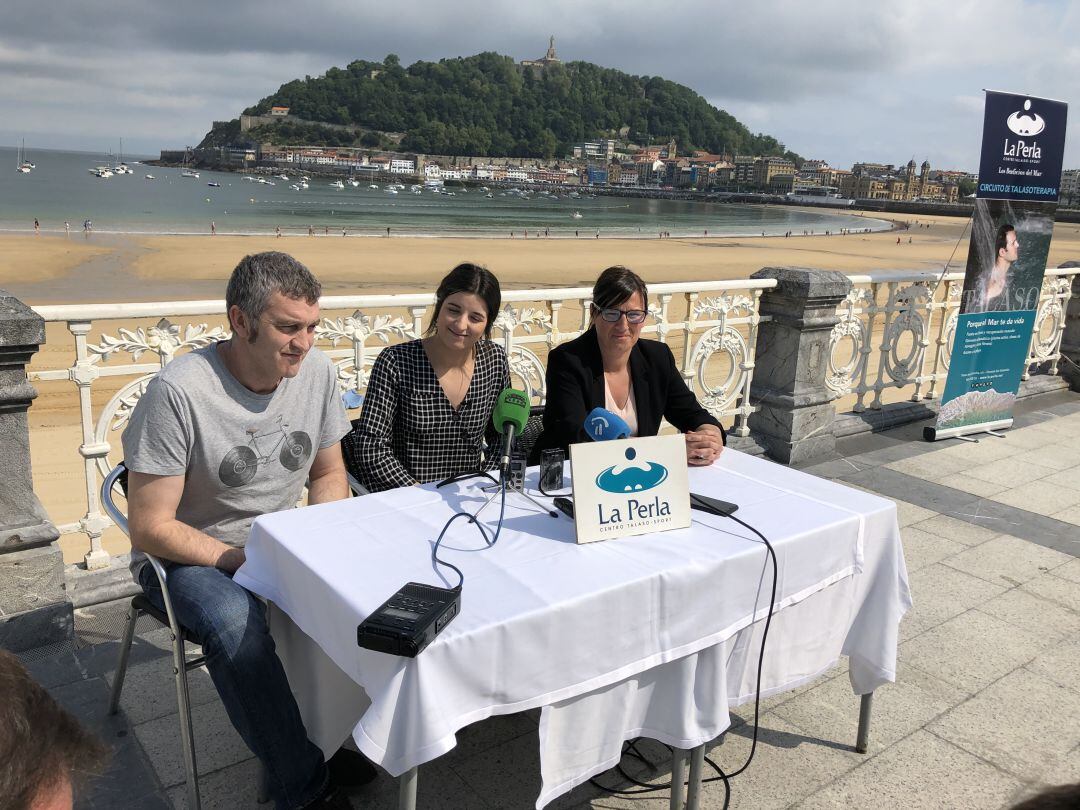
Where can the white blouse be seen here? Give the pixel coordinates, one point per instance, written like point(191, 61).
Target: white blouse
point(628, 413)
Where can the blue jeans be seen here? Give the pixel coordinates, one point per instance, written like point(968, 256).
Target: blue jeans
point(230, 623)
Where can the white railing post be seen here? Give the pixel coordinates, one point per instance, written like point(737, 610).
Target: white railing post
point(83, 373)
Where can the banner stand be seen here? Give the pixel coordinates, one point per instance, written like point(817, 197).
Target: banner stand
point(1012, 223)
point(932, 434)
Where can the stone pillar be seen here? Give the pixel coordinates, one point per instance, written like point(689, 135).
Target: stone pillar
point(1070, 339)
point(34, 609)
point(795, 407)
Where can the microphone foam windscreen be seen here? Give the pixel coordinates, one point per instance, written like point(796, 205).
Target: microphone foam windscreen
point(602, 425)
point(512, 407)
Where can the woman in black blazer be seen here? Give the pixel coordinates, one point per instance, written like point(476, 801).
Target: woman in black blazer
point(609, 366)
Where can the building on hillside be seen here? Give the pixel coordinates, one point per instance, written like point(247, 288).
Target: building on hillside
point(743, 170)
point(279, 112)
point(547, 60)
point(402, 166)
point(593, 150)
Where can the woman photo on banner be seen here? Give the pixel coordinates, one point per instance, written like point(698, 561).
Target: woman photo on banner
point(1007, 256)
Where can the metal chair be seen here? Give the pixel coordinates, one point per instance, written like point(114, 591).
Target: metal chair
point(140, 605)
point(533, 428)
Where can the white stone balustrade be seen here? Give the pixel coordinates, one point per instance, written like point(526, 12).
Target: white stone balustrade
point(711, 326)
point(896, 332)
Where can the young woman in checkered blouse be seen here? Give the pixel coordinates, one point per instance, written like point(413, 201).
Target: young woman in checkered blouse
point(427, 411)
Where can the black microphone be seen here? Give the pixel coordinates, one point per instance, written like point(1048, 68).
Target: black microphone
point(510, 415)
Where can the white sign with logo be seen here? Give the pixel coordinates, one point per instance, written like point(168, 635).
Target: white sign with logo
point(630, 486)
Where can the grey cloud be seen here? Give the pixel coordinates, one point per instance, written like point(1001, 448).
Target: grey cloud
point(793, 69)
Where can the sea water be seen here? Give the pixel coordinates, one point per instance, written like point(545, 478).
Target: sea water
point(62, 188)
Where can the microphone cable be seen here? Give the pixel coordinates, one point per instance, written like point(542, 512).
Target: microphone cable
point(646, 787)
point(489, 540)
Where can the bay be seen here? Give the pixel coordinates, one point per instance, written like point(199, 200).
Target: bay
point(62, 188)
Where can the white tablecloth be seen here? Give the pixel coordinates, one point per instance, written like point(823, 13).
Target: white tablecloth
point(653, 635)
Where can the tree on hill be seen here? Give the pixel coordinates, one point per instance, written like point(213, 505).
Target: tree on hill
point(488, 105)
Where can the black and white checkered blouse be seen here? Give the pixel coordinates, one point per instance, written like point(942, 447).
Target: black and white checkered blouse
point(407, 431)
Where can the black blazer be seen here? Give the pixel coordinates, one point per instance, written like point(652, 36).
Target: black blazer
point(575, 385)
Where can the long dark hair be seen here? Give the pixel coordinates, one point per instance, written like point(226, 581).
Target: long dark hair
point(473, 279)
point(615, 285)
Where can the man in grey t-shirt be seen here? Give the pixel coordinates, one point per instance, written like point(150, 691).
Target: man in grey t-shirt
point(222, 435)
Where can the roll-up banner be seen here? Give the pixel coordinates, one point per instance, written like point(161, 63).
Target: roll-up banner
point(1019, 174)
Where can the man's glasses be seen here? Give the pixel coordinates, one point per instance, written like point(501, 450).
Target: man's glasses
point(612, 315)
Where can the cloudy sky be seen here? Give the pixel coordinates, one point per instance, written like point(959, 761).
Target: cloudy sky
point(835, 79)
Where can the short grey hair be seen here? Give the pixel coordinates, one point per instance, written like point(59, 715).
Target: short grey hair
point(259, 275)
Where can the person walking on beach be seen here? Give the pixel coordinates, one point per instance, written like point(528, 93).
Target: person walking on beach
point(277, 229)
point(310, 230)
point(213, 228)
point(37, 227)
point(67, 228)
point(387, 231)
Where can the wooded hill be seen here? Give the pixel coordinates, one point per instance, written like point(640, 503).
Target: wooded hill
point(489, 105)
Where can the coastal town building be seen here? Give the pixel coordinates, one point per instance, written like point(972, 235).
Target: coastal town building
point(884, 181)
point(1069, 190)
point(604, 149)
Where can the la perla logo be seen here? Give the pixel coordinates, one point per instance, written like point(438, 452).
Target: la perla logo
point(1026, 122)
point(632, 477)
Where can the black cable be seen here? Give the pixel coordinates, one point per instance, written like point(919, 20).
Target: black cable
point(646, 787)
point(490, 541)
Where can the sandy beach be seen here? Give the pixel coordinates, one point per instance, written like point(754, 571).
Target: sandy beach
point(58, 269)
point(110, 268)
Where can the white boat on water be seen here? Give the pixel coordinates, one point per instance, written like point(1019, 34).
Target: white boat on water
point(576, 215)
point(150, 177)
point(374, 186)
point(22, 165)
point(391, 190)
point(101, 171)
point(819, 195)
point(354, 182)
point(189, 173)
point(337, 184)
point(284, 177)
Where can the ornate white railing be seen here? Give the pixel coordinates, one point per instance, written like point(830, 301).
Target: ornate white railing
point(700, 321)
point(896, 332)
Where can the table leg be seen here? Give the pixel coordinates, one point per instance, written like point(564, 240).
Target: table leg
point(693, 790)
point(678, 777)
point(407, 795)
point(862, 740)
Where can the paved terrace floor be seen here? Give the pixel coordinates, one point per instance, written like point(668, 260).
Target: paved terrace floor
point(986, 709)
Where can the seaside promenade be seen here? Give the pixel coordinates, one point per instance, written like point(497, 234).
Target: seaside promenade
point(985, 710)
point(986, 705)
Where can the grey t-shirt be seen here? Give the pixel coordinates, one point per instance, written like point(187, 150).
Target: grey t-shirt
point(242, 454)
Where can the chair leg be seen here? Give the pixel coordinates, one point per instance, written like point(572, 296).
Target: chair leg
point(122, 661)
point(263, 796)
point(187, 739)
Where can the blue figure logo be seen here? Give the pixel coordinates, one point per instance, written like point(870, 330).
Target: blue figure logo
point(631, 477)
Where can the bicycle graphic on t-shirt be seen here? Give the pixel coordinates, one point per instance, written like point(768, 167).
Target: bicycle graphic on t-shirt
point(241, 463)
